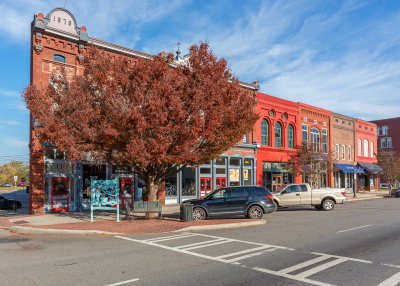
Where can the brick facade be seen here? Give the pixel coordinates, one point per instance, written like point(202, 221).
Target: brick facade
point(388, 131)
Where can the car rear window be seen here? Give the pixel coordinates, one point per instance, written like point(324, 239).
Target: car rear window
point(260, 191)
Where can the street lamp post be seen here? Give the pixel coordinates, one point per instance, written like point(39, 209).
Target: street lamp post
point(354, 179)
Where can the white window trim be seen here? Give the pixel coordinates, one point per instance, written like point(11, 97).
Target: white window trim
point(337, 151)
point(350, 155)
point(359, 145)
point(343, 152)
point(371, 144)
point(366, 148)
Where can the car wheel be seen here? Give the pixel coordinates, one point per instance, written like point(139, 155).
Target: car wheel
point(199, 214)
point(318, 207)
point(275, 206)
point(328, 205)
point(255, 212)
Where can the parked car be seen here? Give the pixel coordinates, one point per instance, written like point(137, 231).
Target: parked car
point(250, 201)
point(302, 194)
point(395, 192)
point(8, 185)
point(6, 204)
point(22, 184)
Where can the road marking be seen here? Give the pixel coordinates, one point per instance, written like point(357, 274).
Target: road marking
point(123, 282)
point(354, 228)
point(199, 243)
point(170, 237)
point(320, 268)
point(304, 264)
point(244, 251)
point(251, 255)
point(256, 251)
point(205, 245)
point(392, 281)
point(292, 277)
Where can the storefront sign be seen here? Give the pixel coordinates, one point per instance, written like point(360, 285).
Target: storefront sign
point(63, 168)
point(234, 175)
point(273, 167)
point(121, 169)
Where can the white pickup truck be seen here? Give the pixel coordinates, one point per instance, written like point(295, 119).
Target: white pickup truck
point(302, 194)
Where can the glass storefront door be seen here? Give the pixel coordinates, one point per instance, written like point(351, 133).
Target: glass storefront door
point(59, 194)
point(276, 182)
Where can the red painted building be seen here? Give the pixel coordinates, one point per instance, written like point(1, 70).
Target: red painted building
point(277, 133)
point(366, 150)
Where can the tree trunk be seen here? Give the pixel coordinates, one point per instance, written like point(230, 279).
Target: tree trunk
point(152, 189)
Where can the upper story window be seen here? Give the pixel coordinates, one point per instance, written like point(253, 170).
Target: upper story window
point(290, 136)
point(59, 58)
point(378, 131)
point(350, 158)
point(383, 143)
point(245, 139)
point(343, 152)
point(372, 149)
point(278, 134)
point(315, 139)
point(264, 132)
point(325, 140)
point(366, 148)
point(304, 134)
point(389, 142)
point(337, 151)
point(359, 147)
point(385, 130)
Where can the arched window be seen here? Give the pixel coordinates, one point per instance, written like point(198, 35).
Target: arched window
point(359, 147)
point(264, 132)
point(59, 58)
point(290, 136)
point(315, 139)
point(366, 148)
point(372, 149)
point(278, 134)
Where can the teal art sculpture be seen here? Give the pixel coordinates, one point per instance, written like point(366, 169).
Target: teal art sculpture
point(104, 196)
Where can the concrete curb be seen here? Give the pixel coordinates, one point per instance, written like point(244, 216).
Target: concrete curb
point(34, 230)
point(222, 226)
point(364, 199)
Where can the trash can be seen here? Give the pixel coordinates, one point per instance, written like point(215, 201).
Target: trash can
point(186, 212)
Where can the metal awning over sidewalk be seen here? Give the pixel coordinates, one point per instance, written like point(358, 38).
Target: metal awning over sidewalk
point(347, 168)
point(371, 168)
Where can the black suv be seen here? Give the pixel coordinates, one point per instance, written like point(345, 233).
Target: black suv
point(251, 201)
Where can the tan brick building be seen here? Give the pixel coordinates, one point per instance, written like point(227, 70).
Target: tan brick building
point(343, 140)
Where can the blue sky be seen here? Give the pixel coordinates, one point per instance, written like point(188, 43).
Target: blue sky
point(340, 55)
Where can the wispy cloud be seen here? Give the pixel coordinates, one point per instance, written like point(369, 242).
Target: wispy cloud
point(10, 122)
point(14, 142)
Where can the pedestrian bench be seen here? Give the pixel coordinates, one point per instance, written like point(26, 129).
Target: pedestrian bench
point(142, 207)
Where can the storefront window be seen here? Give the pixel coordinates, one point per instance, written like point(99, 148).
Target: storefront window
point(171, 186)
point(247, 177)
point(220, 161)
point(189, 181)
point(234, 161)
point(72, 192)
point(234, 177)
point(248, 162)
point(220, 171)
point(205, 170)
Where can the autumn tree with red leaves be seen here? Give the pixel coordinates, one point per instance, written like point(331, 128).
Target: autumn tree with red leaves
point(152, 114)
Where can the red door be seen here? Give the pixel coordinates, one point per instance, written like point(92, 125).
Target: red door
point(220, 182)
point(126, 184)
point(59, 194)
point(205, 186)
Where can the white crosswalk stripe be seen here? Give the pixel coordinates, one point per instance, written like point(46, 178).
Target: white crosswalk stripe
point(321, 262)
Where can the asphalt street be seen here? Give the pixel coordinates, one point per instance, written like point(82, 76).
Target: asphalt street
point(355, 244)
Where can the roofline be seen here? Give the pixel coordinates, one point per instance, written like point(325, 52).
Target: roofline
point(128, 51)
point(294, 104)
point(314, 107)
point(378, 120)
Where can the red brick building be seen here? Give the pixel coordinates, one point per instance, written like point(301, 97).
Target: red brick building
point(277, 133)
point(57, 184)
point(366, 137)
point(388, 131)
point(315, 131)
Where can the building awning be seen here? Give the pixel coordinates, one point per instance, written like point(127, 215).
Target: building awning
point(348, 168)
point(372, 169)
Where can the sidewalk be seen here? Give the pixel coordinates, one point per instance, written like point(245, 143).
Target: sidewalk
point(105, 222)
